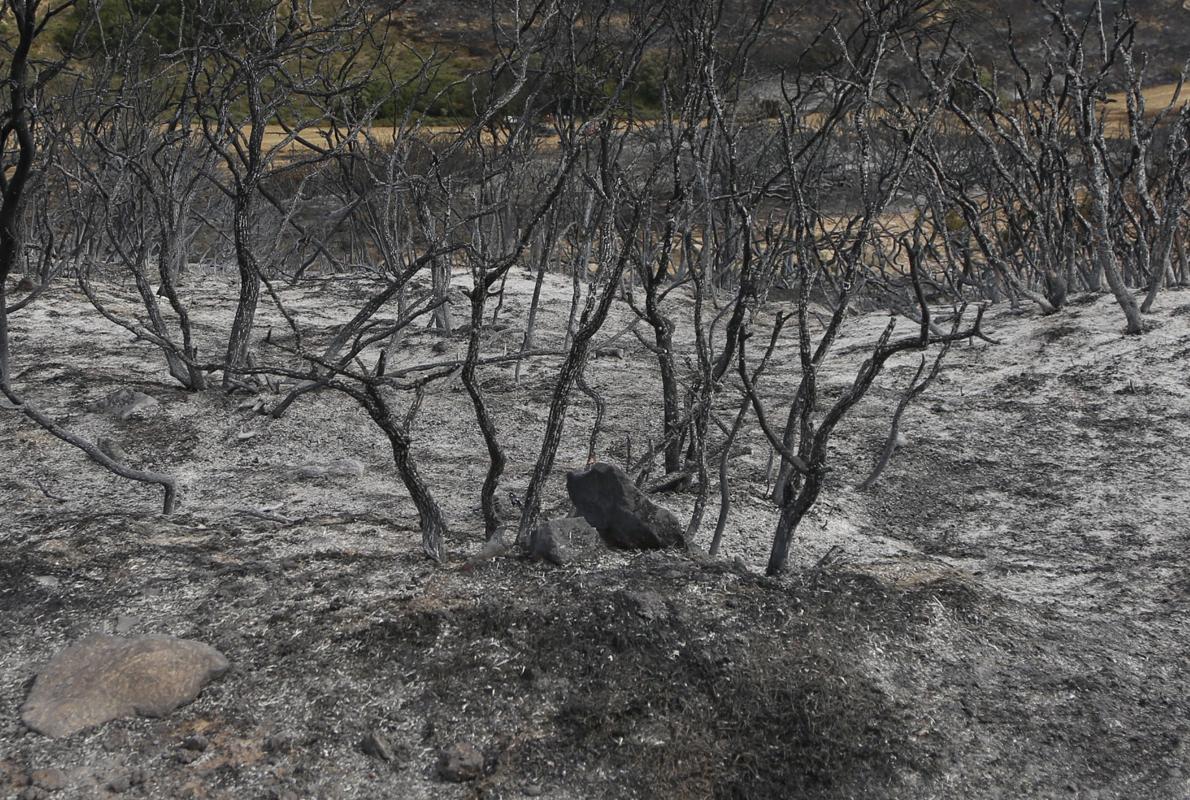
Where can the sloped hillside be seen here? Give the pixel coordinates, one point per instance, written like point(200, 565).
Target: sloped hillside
point(1003, 615)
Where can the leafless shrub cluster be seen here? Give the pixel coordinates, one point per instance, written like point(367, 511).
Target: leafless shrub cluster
point(258, 141)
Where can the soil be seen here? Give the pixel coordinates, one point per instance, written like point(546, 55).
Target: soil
point(1003, 615)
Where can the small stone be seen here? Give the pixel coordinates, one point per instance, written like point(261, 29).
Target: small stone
point(184, 756)
point(493, 548)
point(460, 762)
point(196, 742)
point(47, 581)
point(901, 441)
point(559, 541)
point(376, 745)
point(244, 436)
point(12, 776)
point(51, 779)
point(278, 743)
point(532, 790)
point(124, 404)
point(119, 783)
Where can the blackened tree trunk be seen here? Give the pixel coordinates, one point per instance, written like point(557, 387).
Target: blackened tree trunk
point(433, 527)
point(241, 329)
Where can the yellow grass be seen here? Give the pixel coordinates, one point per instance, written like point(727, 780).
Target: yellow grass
point(1157, 98)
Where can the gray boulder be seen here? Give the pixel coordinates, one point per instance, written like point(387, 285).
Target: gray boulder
point(102, 678)
point(561, 541)
point(608, 499)
point(125, 404)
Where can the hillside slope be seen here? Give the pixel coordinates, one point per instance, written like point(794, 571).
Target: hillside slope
point(1004, 615)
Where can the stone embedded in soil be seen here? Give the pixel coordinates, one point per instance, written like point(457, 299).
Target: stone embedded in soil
point(625, 518)
point(561, 541)
point(124, 404)
point(196, 742)
point(123, 780)
point(279, 743)
point(12, 775)
point(51, 779)
point(103, 677)
point(460, 762)
point(496, 547)
point(375, 744)
point(183, 756)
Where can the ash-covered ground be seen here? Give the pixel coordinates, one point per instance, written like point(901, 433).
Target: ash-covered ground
point(1003, 615)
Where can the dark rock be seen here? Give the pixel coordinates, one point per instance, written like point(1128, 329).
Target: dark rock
point(102, 678)
point(278, 743)
point(560, 541)
point(196, 742)
point(51, 779)
point(33, 793)
point(184, 756)
point(606, 497)
point(124, 780)
point(460, 762)
point(375, 744)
